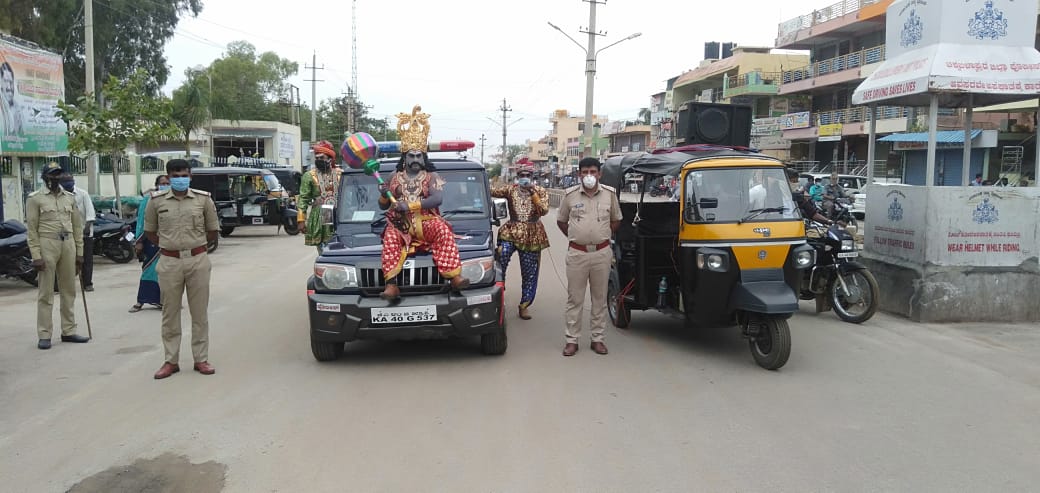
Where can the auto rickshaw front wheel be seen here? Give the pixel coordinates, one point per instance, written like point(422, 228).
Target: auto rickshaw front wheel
point(292, 228)
point(226, 231)
point(770, 342)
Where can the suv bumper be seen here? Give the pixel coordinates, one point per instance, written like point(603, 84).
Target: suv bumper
point(473, 312)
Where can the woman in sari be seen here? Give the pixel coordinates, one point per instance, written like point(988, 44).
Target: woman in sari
point(148, 253)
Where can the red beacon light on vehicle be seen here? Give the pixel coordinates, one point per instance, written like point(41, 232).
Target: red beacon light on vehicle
point(442, 146)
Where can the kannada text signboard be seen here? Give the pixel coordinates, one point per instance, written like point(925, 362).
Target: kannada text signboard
point(31, 84)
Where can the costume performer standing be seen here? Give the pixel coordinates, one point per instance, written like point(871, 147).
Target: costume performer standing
point(524, 232)
point(414, 222)
point(319, 186)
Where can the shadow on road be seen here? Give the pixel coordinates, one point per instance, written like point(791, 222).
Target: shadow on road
point(412, 352)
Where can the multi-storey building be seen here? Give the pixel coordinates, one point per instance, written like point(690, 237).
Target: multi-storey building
point(846, 42)
point(564, 141)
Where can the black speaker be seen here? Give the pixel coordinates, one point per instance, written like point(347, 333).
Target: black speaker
point(713, 123)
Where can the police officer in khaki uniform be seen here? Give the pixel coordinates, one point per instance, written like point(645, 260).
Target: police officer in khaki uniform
point(182, 221)
point(55, 239)
point(589, 214)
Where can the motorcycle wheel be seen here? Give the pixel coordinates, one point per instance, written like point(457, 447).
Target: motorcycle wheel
point(862, 301)
point(654, 193)
point(772, 345)
point(120, 252)
point(30, 276)
point(292, 228)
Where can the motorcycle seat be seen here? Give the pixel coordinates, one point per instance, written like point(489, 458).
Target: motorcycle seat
point(11, 227)
point(13, 240)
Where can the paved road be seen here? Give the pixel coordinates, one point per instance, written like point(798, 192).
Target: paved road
point(888, 406)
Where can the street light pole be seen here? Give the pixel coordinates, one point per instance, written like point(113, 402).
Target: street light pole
point(591, 55)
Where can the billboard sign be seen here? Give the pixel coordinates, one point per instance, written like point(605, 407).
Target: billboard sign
point(31, 85)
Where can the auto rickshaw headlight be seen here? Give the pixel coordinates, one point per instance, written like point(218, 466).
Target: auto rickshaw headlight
point(336, 276)
point(714, 261)
point(803, 258)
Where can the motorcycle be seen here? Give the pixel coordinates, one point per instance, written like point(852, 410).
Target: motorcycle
point(15, 261)
point(660, 189)
point(838, 210)
point(114, 239)
point(836, 280)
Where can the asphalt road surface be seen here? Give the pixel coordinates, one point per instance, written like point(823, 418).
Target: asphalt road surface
point(886, 406)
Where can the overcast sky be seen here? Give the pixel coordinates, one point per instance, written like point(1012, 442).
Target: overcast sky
point(459, 58)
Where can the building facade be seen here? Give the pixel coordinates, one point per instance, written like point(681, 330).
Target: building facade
point(564, 141)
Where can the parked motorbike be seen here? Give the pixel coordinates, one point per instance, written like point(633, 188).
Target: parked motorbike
point(660, 189)
point(114, 238)
point(15, 261)
point(837, 281)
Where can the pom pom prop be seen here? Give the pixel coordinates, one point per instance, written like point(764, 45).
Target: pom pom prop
point(360, 151)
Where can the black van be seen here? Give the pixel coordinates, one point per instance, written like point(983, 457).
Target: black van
point(343, 292)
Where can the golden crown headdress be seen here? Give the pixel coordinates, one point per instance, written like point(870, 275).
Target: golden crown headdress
point(413, 129)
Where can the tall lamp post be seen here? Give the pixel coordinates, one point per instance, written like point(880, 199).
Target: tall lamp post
point(591, 54)
point(209, 109)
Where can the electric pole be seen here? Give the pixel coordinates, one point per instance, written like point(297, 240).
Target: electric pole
point(314, 95)
point(505, 109)
point(590, 77)
point(483, 140)
point(88, 36)
point(590, 68)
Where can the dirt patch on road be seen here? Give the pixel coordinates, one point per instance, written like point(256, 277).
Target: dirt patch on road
point(167, 473)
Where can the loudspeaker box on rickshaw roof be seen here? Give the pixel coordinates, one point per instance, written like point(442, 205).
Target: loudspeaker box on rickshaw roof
point(728, 250)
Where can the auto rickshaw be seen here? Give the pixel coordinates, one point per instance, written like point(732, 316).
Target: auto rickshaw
point(246, 197)
point(728, 252)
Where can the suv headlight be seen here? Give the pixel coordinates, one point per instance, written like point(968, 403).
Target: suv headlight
point(479, 270)
point(847, 245)
point(336, 276)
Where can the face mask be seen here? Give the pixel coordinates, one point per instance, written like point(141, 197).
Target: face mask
point(68, 185)
point(589, 181)
point(180, 183)
point(322, 164)
point(524, 182)
point(163, 188)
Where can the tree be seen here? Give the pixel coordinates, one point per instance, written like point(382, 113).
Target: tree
point(644, 116)
point(128, 35)
point(191, 106)
point(251, 86)
point(334, 121)
point(129, 116)
point(513, 152)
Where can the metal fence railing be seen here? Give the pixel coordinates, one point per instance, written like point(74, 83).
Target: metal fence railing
point(819, 16)
point(848, 61)
point(754, 78)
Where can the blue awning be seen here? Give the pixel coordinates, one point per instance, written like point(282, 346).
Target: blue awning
point(942, 137)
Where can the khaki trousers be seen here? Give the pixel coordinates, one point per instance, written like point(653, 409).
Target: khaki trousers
point(60, 259)
point(591, 269)
point(177, 275)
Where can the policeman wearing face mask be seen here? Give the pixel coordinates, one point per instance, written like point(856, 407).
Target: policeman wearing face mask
point(55, 239)
point(589, 215)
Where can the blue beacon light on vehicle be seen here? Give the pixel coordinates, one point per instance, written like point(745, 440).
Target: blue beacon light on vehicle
point(394, 147)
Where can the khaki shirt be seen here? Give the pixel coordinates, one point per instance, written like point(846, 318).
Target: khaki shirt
point(50, 214)
point(588, 218)
point(181, 222)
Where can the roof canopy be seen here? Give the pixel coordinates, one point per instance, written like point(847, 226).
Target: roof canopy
point(980, 47)
point(943, 137)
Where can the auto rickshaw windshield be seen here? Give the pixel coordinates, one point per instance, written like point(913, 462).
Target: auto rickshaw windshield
point(272, 183)
point(733, 194)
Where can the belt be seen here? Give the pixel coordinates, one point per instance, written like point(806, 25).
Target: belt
point(590, 248)
point(199, 250)
point(56, 236)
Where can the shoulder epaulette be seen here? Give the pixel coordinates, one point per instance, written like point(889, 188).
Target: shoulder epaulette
point(159, 193)
point(572, 189)
point(609, 188)
point(201, 192)
point(37, 192)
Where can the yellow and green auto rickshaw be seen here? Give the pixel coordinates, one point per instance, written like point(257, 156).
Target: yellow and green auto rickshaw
point(728, 250)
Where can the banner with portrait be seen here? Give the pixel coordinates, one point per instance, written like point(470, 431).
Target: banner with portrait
point(31, 84)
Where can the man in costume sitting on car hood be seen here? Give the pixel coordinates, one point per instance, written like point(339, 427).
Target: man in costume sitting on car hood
point(414, 223)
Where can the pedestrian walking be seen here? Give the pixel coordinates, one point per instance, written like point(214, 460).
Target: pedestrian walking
point(148, 291)
point(55, 237)
point(319, 190)
point(524, 232)
point(589, 214)
point(86, 211)
point(182, 221)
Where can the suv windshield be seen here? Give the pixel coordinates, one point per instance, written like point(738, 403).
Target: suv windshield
point(464, 196)
point(741, 194)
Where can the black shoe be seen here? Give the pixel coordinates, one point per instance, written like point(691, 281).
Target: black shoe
point(89, 289)
point(44, 344)
point(74, 338)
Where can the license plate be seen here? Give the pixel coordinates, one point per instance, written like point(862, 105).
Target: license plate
point(258, 220)
point(404, 315)
point(129, 237)
point(848, 254)
point(328, 307)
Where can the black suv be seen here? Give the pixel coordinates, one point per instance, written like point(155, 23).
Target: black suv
point(343, 293)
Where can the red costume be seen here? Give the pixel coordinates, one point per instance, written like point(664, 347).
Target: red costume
point(418, 230)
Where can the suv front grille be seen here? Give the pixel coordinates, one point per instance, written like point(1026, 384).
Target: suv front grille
point(414, 280)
